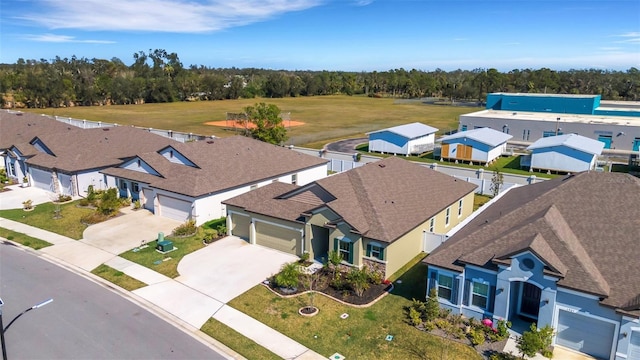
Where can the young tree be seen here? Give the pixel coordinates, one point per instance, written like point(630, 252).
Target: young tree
point(432, 307)
point(267, 124)
point(536, 340)
point(497, 180)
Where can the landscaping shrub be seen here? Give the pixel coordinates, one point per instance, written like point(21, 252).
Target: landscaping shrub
point(289, 276)
point(358, 280)
point(477, 337)
point(83, 202)
point(414, 316)
point(137, 205)
point(187, 229)
point(536, 340)
point(304, 257)
point(64, 198)
point(376, 277)
point(109, 202)
point(221, 229)
point(209, 236)
point(432, 307)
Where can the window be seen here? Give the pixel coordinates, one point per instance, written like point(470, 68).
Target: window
point(123, 185)
point(463, 128)
point(375, 250)
point(294, 179)
point(432, 224)
point(551, 133)
point(139, 163)
point(459, 207)
point(525, 134)
point(171, 153)
point(12, 169)
point(135, 187)
point(479, 295)
point(445, 286)
point(253, 187)
point(447, 217)
point(345, 249)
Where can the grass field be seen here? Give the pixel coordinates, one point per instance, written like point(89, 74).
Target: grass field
point(325, 117)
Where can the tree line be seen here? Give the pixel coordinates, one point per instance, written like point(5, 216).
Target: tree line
point(158, 76)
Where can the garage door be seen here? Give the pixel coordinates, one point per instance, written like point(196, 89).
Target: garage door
point(585, 334)
point(277, 237)
point(41, 179)
point(241, 225)
point(65, 183)
point(173, 208)
point(634, 346)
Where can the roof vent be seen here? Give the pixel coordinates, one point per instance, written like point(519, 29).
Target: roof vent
point(209, 141)
point(105, 129)
point(382, 165)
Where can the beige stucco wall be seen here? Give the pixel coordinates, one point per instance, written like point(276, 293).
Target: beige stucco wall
point(440, 226)
point(404, 249)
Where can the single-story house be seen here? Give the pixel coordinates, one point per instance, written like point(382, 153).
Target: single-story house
point(481, 145)
point(375, 215)
point(566, 153)
point(564, 253)
point(186, 181)
point(407, 139)
point(65, 159)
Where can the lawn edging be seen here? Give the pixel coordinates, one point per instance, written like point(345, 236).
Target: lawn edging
point(386, 292)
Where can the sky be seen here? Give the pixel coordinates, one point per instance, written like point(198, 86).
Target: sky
point(334, 35)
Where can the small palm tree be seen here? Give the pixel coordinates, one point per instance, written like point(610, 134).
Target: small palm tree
point(289, 276)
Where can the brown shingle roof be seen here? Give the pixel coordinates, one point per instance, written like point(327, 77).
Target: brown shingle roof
point(17, 128)
point(381, 200)
point(221, 164)
point(584, 227)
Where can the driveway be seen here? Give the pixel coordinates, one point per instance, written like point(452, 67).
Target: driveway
point(127, 231)
point(229, 267)
point(346, 146)
point(13, 198)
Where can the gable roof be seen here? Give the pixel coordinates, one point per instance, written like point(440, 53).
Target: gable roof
point(221, 163)
point(483, 135)
point(18, 128)
point(409, 131)
point(382, 200)
point(584, 227)
point(574, 141)
point(95, 148)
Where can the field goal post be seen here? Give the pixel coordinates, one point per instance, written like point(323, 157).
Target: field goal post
point(286, 118)
point(237, 120)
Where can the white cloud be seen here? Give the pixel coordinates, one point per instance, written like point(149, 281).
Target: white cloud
point(177, 16)
point(363, 2)
point(53, 38)
point(629, 38)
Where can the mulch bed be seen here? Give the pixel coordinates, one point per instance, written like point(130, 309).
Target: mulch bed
point(345, 295)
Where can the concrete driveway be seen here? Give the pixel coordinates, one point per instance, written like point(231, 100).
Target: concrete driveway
point(127, 231)
point(229, 267)
point(13, 198)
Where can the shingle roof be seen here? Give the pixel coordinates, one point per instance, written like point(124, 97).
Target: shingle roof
point(381, 200)
point(221, 164)
point(584, 227)
point(18, 128)
point(484, 135)
point(573, 141)
point(409, 131)
point(96, 148)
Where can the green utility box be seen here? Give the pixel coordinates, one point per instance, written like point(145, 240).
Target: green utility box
point(164, 245)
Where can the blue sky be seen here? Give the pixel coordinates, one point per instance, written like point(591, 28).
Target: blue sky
point(348, 35)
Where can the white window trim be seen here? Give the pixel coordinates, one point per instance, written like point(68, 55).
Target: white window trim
point(460, 205)
point(483, 282)
point(450, 276)
point(447, 217)
point(432, 224)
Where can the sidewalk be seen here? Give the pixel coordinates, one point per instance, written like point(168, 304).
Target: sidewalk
point(187, 304)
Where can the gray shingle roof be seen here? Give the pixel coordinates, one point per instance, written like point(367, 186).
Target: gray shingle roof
point(484, 135)
point(222, 164)
point(573, 141)
point(17, 128)
point(381, 200)
point(584, 227)
point(409, 131)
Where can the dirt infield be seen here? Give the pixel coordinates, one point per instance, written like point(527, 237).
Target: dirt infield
point(233, 124)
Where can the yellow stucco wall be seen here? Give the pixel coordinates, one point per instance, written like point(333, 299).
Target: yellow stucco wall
point(454, 219)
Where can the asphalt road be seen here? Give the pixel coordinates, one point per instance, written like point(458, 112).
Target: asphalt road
point(85, 320)
point(347, 146)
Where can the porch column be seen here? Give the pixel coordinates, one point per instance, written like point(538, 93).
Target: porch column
point(252, 233)
point(229, 224)
point(503, 291)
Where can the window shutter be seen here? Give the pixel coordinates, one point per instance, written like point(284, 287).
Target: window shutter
point(350, 253)
point(492, 298)
point(465, 294)
point(381, 253)
point(368, 249)
point(432, 282)
point(336, 243)
point(454, 290)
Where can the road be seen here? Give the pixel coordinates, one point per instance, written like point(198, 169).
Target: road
point(85, 320)
point(346, 146)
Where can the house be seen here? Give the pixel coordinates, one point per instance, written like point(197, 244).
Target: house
point(481, 145)
point(375, 215)
point(564, 153)
point(407, 139)
point(532, 116)
point(185, 181)
point(65, 159)
point(564, 253)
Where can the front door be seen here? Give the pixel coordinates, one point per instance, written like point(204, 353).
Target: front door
point(530, 303)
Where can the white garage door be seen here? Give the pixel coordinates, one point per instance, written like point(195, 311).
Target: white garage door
point(277, 237)
point(634, 345)
point(41, 179)
point(174, 208)
point(65, 183)
point(148, 199)
point(240, 226)
point(585, 334)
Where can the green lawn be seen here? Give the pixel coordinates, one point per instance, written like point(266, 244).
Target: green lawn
point(325, 117)
point(479, 200)
point(360, 336)
point(42, 217)
point(118, 277)
point(236, 341)
point(23, 239)
point(152, 259)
